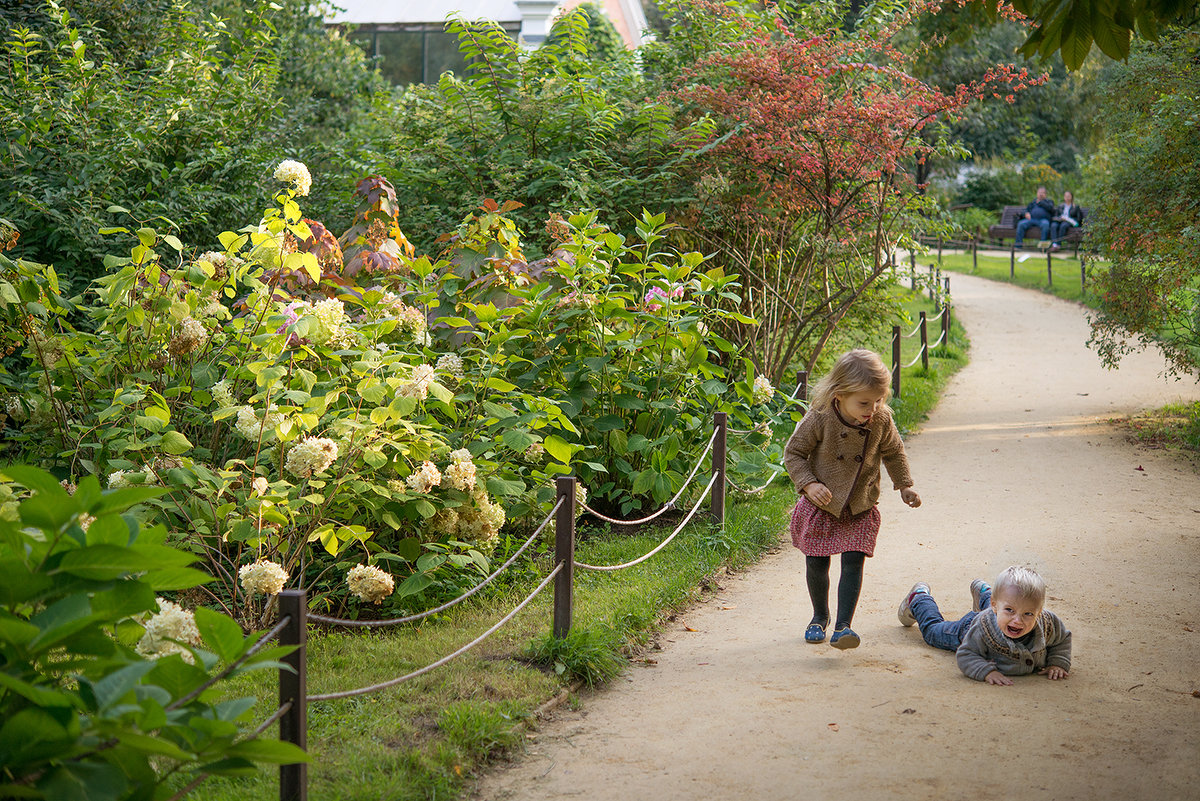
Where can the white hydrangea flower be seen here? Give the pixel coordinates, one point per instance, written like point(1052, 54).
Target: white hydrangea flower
point(168, 631)
point(311, 455)
point(223, 394)
point(370, 583)
point(422, 377)
point(481, 521)
point(118, 479)
point(259, 485)
point(461, 472)
point(425, 478)
point(763, 391)
point(248, 422)
point(451, 364)
point(294, 173)
point(581, 494)
point(263, 576)
point(535, 452)
point(14, 408)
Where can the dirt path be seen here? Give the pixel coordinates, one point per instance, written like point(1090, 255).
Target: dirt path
point(1017, 465)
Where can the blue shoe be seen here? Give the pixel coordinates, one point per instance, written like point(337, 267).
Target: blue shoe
point(978, 588)
point(907, 618)
point(844, 639)
point(814, 633)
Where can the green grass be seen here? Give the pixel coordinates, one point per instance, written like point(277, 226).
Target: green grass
point(424, 738)
point(1176, 426)
point(1030, 273)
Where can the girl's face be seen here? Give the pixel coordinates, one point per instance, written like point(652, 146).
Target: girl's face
point(859, 407)
point(1015, 616)
point(1068, 198)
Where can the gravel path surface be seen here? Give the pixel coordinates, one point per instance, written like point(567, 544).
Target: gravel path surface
point(1018, 464)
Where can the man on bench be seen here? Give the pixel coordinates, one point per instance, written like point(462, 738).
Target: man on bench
point(1040, 212)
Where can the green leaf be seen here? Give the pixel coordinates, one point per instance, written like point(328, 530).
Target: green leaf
point(558, 448)
point(116, 685)
point(499, 384)
point(413, 585)
point(176, 578)
point(103, 562)
point(220, 633)
point(517, 439)
point(35, 479)
point(111, 529)
point(273, 751)
point(41, 696)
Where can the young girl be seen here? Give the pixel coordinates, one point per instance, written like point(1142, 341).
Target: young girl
point(833, 458)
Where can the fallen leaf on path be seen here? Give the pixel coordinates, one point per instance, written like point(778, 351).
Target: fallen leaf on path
point(833, 727)
point(686, 627)
point(1134, 687)
point(1139, 467)
point(730, 607)
point(1196, 693)
point(1188, 628)
point(1082, 394)
point(909, 712)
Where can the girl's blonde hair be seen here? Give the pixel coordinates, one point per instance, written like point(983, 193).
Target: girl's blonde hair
point(857, 370)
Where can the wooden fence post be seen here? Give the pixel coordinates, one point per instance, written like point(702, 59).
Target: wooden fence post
point(717, 495)
point(1012, 261)
point(293, 689)
point(896, 360)
point(924, 343)
point(932, 282)
point(1082, 274)
point(974, 255)
point(1049, 270)
point(564, 554)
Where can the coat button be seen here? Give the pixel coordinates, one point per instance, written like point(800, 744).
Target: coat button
point(844, 435)
point(840, 456)
point(858, 458)
point(1029, 661)
point(862, 432)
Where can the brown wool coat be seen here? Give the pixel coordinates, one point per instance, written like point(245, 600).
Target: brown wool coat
point(846, 458)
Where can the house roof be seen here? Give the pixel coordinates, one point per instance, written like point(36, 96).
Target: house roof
point(368, 12)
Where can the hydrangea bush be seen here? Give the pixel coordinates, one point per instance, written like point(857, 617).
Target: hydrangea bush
point(316, 403)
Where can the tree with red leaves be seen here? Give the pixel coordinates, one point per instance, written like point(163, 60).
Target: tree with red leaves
point(806, 190)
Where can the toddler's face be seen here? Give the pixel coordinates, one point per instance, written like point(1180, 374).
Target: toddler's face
point(1016, 616)
point(858, 407)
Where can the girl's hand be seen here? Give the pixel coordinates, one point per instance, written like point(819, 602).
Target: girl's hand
point(1054, 673)
point(998, 678)
point(910, 496)
point(818, 493)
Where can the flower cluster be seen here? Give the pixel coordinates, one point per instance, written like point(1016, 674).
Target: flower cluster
point(335, 328)
point(168, 631)
point(657, 293)
point(222, 394)
point(370, 583)
point(451, 364)
point(249, 423)
point(460, 474)
point(582, 300)
point(13, 407)
point(480, 523)
point(189, 336)
point(296, 174)
point(259, 485)
point(763, 391)
point(311, 455)
point(418, 387)
point(263, 576)
point(535, 452)
point(425, 479)
point(409, 320)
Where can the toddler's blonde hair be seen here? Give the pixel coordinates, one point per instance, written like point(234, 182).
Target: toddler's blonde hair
point(1025, 583)
point(857, 370)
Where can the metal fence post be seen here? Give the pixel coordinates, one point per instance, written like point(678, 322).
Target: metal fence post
point(1012, 261)
point(564, 554)
point(717, 497)
point(293, 689)
point(896, 360)
point(1049, 270)
point(924, 343)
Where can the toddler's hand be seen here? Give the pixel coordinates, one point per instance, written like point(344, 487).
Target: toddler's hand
point(1054, 673)
point(998, 678)
point(910, 496)
point(818, 493)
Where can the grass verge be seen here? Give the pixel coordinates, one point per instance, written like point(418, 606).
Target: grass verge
point(423, 739)
point(1029, 270)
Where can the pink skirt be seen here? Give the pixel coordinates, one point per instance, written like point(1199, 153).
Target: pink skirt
point(817, 533)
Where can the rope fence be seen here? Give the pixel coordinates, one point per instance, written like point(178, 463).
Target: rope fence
point(942, 299)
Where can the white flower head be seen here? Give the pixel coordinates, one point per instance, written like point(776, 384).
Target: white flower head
point(311, 455)
point(263, 576)
point(118, 480)
point(763, 391)
point(370, 583)
point(451, 364)
point(461, 472)
point(294, 173)
point(168, 632)
point(249, 423)
point(418, 387)
point(259, 485)
point(222, 394)
point(425, 478)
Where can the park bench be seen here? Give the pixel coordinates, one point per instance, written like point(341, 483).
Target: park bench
point(1011, 215)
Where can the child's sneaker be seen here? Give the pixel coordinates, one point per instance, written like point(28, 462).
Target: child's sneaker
point(905, 611)
point(844, 639)
point(978, 588)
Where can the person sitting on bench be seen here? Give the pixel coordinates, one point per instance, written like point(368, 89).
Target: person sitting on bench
point(1066, 217)
point(1039, 212)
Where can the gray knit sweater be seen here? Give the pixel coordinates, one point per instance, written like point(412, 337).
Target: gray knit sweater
point(986, 648)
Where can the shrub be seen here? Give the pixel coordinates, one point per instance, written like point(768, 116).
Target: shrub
point(100, 702)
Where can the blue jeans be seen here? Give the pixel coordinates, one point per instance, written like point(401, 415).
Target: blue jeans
point(1059, 231)
point(1025, 225)
point(937, 631)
